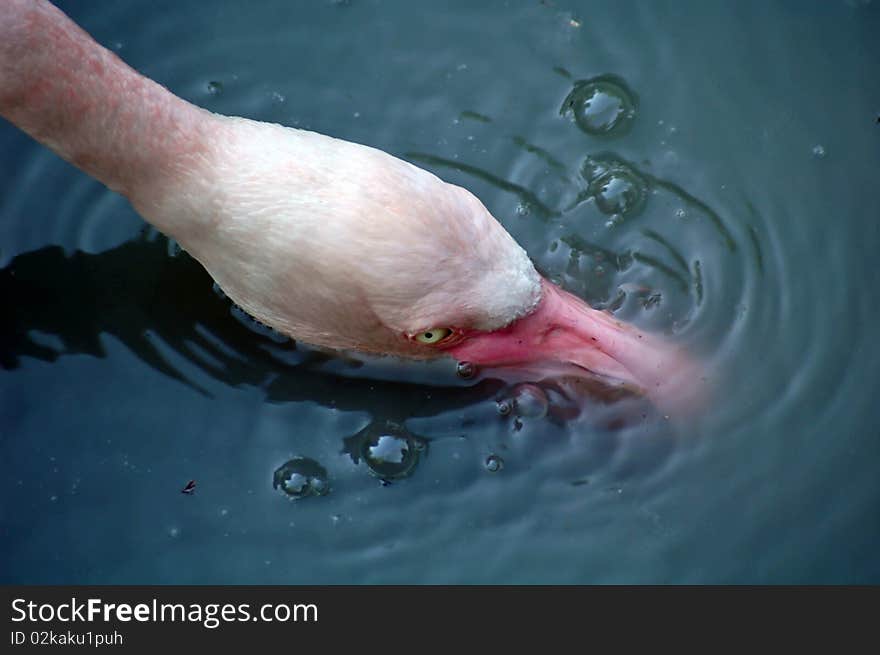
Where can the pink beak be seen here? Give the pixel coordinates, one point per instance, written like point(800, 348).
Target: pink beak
point(565, 336)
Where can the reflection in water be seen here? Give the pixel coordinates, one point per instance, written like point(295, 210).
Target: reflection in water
point(677, 257)
point(710, 213)
point(135, 292)
point(753, 236)
point(474, 116)
point(542, 154)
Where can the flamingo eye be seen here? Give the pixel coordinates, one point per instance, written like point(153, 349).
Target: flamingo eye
point(432, 336)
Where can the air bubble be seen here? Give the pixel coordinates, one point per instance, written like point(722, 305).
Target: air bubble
point(389, 450)
point(601, 105)
point(466, 370)
point(819, 151)
point(392, 456)
point(616, 187)
point(301, 477)
point(494, 463)
point(530, 401)
point(504, 407)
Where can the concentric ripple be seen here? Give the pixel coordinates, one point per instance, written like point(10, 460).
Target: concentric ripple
point(737, 222)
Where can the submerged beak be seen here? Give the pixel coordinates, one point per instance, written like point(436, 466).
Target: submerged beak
point(565, 336)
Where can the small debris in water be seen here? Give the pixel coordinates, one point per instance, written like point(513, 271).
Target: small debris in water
point(819, 151)
point(651, 300)
point(189, 489)
point(215, 88)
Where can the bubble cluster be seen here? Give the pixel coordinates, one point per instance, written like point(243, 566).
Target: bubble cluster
point(602, 105)
point(301, 477)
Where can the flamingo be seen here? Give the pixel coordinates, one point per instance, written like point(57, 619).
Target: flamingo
point(333, 243)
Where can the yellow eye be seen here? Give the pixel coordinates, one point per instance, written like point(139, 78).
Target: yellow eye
point(434, 335)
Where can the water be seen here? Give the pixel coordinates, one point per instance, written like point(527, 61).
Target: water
point(754, 134)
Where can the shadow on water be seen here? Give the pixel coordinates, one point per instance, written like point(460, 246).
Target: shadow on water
point(153, 300)
point(141, 294)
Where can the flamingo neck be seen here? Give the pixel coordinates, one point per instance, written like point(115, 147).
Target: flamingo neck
point(79, 99)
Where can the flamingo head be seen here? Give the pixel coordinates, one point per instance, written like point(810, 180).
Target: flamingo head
point(345, 246)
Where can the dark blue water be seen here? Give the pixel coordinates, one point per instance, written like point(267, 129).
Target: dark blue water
point(742, 221)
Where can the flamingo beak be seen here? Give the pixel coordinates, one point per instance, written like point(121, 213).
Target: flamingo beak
point(565, 336)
